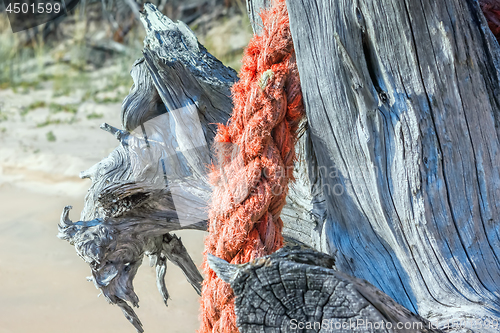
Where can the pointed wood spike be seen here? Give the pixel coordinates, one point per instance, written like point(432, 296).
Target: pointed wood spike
point(113, 130)
point(225, 271)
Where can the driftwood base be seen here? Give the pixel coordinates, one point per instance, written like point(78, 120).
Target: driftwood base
point(297, 290)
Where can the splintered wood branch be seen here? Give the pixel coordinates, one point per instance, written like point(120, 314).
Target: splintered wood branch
point(114, 249)
point(155, 181)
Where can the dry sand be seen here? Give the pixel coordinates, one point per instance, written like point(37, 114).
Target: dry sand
point(43, 286)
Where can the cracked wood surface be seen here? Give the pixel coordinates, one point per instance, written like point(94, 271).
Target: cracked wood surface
point(402, 100)
point(297, 290)
point(402, 104)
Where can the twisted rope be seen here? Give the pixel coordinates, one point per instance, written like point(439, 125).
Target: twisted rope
point(256, 156)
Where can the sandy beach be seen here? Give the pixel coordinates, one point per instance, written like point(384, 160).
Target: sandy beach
point(43, 286)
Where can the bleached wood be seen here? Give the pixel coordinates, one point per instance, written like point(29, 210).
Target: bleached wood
point(155, 181)
point(402, 99)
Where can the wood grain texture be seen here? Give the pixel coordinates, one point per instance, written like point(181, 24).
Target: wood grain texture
point(397, 169)
point(296, 290)
point(402, 100)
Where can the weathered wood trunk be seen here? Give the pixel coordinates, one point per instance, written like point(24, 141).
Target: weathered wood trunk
point(155, 181)
point(402, 100)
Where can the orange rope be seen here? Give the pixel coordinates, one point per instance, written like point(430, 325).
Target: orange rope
point(267, 110)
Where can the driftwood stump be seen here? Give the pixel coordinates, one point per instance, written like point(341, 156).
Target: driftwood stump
point(154, 182)
point(297, 290)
